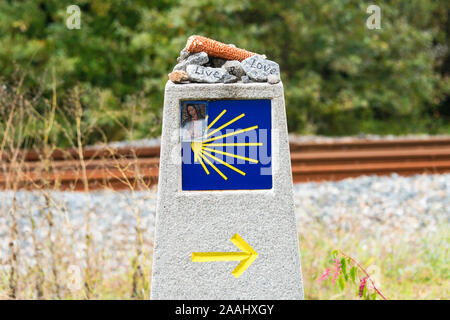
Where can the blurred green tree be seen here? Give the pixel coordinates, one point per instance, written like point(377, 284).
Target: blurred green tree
point(340, 77)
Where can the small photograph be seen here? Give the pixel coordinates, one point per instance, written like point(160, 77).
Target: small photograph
point(193, 121)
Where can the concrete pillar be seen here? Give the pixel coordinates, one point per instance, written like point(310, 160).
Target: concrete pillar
point(233, 238)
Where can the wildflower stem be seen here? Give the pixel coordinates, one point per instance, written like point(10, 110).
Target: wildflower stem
point(366, 273)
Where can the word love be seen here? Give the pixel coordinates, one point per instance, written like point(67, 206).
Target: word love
point(258, 69)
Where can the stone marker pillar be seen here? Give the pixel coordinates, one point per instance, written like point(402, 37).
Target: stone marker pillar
point(225, 231)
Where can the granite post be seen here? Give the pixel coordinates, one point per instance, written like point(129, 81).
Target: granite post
point(205, 221)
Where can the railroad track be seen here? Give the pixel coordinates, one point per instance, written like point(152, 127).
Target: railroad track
point(124, 168)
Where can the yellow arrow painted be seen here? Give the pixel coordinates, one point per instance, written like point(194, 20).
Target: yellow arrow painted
point(247, 256)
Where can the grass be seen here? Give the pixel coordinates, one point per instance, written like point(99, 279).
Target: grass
point(64, 261)
point(413, 268)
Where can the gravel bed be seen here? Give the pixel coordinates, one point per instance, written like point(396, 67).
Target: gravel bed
point(384, 208)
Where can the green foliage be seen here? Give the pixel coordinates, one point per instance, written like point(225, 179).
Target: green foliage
point(344, 268)
point(340, 78)
point(353, 274)
point(339, 275)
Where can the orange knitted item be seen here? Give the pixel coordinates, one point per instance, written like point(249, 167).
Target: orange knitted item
point(216, 49)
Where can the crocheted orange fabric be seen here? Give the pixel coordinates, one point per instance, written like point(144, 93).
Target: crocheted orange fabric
point(216, 49)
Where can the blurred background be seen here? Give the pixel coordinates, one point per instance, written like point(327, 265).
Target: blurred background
point(340, 77)
point(81, 110)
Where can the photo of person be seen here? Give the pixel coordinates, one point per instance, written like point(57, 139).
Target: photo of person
point(193, 121)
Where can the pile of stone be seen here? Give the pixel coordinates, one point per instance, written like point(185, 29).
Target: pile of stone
point(213, 66)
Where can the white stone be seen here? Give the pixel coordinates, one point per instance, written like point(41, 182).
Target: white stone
point(204, 221)
point(184, 54)
point(234, 67)
point(258, 68)
point(205, 74)
point(229, 78)
point(273, 78)
point(197, 58)
point(246, 79)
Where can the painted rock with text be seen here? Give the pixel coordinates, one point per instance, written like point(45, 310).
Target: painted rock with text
point(205, 74)
point(257, 68)
point(234, 68)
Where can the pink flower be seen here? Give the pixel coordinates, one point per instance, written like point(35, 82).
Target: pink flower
point(337, 270)
point(362, 284)
point(324, 275)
